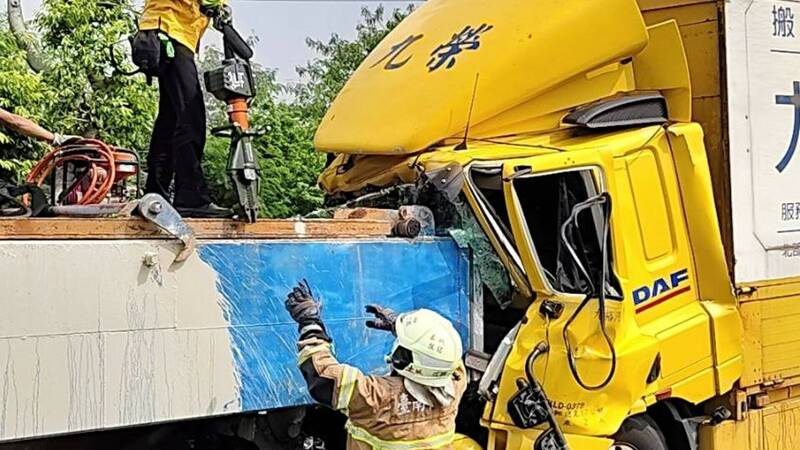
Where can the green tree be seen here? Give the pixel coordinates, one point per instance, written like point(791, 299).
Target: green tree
point(93, 99)
point(79, 93)
point(22, 92)
point(322, 78)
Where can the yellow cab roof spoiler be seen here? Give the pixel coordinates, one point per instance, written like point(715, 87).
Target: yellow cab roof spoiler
point(500, 68)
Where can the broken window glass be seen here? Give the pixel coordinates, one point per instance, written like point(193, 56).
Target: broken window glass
point(489, 184)
point(547, 202)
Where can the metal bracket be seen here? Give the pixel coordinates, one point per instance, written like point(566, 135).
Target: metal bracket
point(448, 179)
point(157, 210)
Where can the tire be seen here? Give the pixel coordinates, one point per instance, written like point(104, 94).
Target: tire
point(639, 433)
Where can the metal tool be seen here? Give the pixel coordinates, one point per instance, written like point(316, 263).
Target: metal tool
point(233, 83)
point(157, 210)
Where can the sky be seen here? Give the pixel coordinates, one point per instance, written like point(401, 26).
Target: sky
point(282, 27)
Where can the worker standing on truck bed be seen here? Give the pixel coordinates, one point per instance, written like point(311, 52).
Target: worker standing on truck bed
point(31, 129)
point(169, 35)
point(415, 406)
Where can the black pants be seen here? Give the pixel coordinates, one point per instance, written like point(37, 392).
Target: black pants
point(179, 134)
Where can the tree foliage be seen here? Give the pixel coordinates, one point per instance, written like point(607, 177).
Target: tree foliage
point(23, 92)
point(324, 77)
point(80, 93)
point(92, 99)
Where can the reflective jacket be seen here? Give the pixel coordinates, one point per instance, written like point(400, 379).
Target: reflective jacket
point(381, 413)
point(179, 19)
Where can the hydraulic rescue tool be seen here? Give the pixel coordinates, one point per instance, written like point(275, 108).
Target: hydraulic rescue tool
point(234, 84)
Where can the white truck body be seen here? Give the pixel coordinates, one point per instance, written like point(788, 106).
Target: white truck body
point(100, 334)
point(762, 43)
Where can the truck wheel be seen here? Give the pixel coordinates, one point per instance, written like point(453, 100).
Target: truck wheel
point(639, 433)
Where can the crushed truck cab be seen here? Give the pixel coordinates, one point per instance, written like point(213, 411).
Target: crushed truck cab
point(628, 162)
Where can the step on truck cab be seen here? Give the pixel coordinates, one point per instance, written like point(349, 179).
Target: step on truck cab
point(632, 165)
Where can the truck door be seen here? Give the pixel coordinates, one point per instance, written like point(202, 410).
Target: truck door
point(659, 330)
point(560, 216)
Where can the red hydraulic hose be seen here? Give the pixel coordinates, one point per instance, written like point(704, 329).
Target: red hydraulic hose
point(101, 167)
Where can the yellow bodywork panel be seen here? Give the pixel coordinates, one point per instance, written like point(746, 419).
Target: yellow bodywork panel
point(771, 315)
point(652, 213)
point(713, 284)
point(544, 112)
point(662, 66)
point(417, 87)
point(775, 427)
point(746, 434)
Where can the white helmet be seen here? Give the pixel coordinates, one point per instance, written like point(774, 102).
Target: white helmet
point(427, 349)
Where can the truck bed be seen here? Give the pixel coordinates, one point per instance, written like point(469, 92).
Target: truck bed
point(101, 328)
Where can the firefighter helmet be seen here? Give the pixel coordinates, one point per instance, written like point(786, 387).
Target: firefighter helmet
point(427, 349)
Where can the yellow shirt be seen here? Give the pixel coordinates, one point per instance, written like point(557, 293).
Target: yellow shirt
point(179, 19)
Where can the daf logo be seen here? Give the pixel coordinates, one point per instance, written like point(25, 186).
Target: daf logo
point(661, 290)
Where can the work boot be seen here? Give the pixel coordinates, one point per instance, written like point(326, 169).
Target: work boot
point(209, 211)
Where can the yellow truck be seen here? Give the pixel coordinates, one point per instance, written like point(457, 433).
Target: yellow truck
point(631, 164)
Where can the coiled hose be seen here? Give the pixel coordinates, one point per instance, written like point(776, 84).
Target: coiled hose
point(101, 166)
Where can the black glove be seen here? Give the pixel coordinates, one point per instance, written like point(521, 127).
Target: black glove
point(384, 318)
point(302, 306)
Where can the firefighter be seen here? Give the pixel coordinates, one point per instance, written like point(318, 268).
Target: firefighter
point(31, 129)
point(171, 31)
point(413, 407)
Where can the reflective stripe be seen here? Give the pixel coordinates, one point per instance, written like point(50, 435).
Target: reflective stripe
point(309, 350)
point(346, 387)
point(434, 442)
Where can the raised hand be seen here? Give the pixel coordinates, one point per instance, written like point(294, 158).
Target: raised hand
point(302, 305)
point(384, 318)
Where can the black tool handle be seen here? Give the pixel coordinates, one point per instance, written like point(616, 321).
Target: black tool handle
point(234, 43)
